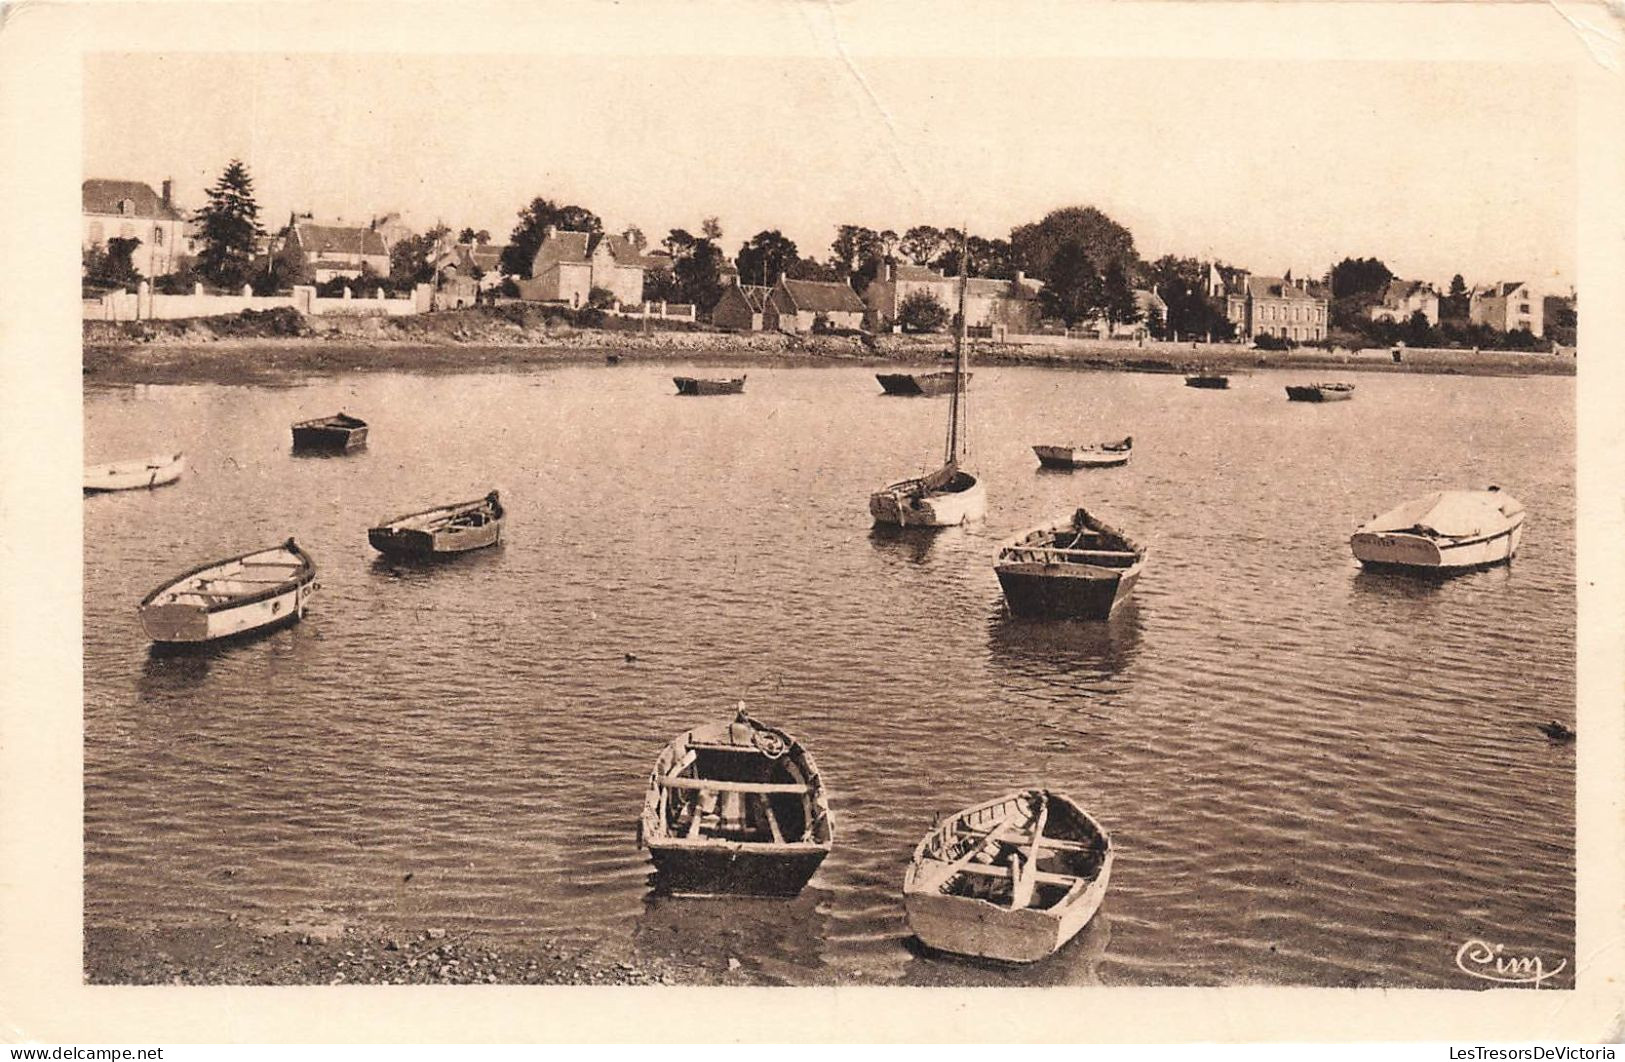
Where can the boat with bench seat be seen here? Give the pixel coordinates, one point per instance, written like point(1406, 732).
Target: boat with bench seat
point(135, 475)
point(1011, 879)
point(1075, 567)
point(735, 808)
point(339, 433)
point(445, 529)
point(252, 592)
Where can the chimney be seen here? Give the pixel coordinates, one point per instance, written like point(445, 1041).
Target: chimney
point(168, 187)
point(550, 232)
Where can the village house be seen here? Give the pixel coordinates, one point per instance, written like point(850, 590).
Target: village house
point(808, 305)
point(1277, 306)
point(741, 307)
point(1508, 307)
point(479, 263)
point(329, 251)
point(569, 265)
point(132, 210)
point(1004, 306)
point(1402, 299)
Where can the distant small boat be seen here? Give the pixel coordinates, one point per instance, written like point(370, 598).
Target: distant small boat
point(1320, 392)
point(689, 385)
point(735, 808)
point(339, 433)
point(921, 383)
point(255, 591)
point(1011, 879)
point(135, 475)
point(1076, 567)
point(1100, 455)
point(1210, 381)
point(455, 528)
point(612, 359)
point(1451, 530)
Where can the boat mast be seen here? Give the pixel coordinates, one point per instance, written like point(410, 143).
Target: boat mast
point(955, 407)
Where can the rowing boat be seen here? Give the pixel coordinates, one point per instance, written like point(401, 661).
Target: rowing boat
point(455, 528)
point(920, 383)
point(1074, 567)
point(1100, 455)
point(1208, 381)
point(221, 599)
point(135, 475)
point(690, 385)
point(1320, 392)
point(1011, 879)
point(338, 433)
point(735, 808)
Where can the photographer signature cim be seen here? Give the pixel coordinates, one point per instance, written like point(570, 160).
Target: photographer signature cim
point(1488, 962)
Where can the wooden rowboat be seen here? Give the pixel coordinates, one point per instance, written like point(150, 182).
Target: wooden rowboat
point(735, 808)
point(1100, 455)
point(1011, 879)
point(1208, 381)
point(1320, 392)
point(256, 591)
point(689, 385)
point(1451, 530)
point(338, 433)
point(921, 383)
point(135, 475)
point(1074, 567)
point(455, 528)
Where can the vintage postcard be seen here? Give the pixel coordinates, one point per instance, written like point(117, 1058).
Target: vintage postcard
point(623, 505)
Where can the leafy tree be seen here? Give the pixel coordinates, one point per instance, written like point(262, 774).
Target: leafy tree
point(1417, 332)
point(600, 299)
point(1101, 241)
point(888, 243)
point(478, 237)
point(921, 311)
point(1117, 298)
point(119, 265)
point(660, 285)
point(1075, 292)
point(711, 228)
point(679, 243)
point(1562, 320)
point(534, 221)
point(1359, 276)
point(991, 258)
point(764, 256)
point(922, 244)
point(699, 274)
point(853, 246)
point(230, 224)
point(812, 269)
point(1457, 301)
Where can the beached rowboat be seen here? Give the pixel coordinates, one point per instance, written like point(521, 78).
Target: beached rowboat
point(689, 385)
point(255, 591)
point(1075, 567)
point(921, 383)
point(338, 433)
point(1451, 530)
point(135, 475)
point(1320, 392)
point(736, 807)
point(1100, 455)
point(1010, 879)
point(455, 528)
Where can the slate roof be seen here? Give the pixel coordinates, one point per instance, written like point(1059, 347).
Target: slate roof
point(822, 296)
point(338, 239)
point(1276, 288)
point(103, 197)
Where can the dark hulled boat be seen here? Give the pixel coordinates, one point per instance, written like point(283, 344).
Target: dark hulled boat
point(445, 529)
point(690, 385)
point(735, 808)
point(338, 433)
point(1320, 392)
point(1077, 567)
point(1208, 381)
point(921, 383)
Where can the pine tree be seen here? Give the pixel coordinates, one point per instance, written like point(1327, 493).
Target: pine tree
point(230, 225)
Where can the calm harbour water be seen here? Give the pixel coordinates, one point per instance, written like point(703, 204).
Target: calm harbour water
point(1313, 775)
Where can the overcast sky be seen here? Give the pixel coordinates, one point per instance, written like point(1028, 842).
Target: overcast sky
point(1436, 168)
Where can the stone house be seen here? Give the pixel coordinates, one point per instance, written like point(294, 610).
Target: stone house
point(1278, 306)
point(132, 210)
point(329, 251)
point(1403, 298)
point(1508, 307)
point(568, 265)
point(741, 307)
point(1007, 306)
point(800, 305)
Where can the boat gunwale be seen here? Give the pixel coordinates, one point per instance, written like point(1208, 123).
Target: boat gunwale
point(1015, 542)
point(334, 422)
point(305, 573)
point(1444, 542)
point(450, 509)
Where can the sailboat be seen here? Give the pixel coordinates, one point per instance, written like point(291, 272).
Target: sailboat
point(951, 495)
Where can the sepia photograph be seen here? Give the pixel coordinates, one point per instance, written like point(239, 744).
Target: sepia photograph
point(832, 496)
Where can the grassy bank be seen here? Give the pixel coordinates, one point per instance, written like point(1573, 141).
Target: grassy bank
point(282, 345)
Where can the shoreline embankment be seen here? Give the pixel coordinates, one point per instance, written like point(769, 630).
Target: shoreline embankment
point(282, 347)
